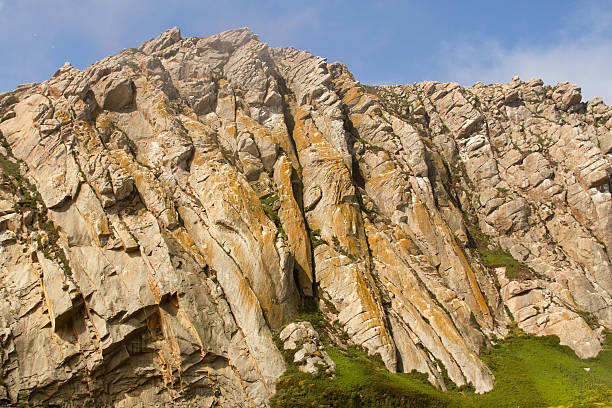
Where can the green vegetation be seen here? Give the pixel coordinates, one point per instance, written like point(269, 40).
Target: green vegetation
point(394, 103)
point(497, 257)
point(336, 242)
point(529, 371)
point(601, 121)
point(50, 247)
point(360, 381)
point(537, 372)
point(589, 318)
point(31, 200)
point(267, 204)
point(310, 312)
point(8, 167)
point(370, 146)
point(133, 65)
point(315, 238)
point(268, 201)
point(339, 248)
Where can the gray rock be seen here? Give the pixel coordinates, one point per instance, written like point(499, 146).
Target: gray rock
point(310, 351)
point(143, 263)
point(115, 92)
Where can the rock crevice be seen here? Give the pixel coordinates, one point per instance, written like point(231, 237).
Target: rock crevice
point(166, 210)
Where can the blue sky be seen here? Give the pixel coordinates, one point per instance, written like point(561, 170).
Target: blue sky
point(382, 42)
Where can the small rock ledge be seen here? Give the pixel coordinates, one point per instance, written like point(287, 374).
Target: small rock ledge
point(310, 353)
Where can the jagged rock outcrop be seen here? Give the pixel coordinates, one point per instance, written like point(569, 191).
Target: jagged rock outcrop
point(310, 354)
point(166, 210)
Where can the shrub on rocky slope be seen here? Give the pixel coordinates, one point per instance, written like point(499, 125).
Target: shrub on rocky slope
point(166, 210)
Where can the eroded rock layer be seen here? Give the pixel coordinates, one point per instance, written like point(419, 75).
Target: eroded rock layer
point(166, 210)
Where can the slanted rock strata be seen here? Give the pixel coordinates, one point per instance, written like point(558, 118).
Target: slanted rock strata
point(166, 210)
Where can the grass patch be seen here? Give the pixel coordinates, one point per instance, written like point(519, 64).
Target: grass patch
point(360, 381)
point(310, 312)
point(9, 168)
point(530, 372)
point(267, 204)
point(538, 372)
point(498, 257)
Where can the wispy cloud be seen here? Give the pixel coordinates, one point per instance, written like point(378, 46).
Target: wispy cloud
point(584, 59)
point(105, 23)
point(38, 36)
point(289, 25)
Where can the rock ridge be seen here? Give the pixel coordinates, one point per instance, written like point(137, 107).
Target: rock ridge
point(165, 212)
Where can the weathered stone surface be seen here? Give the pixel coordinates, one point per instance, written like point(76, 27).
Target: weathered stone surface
point(539, 310)
point(114, 92)
point(310, 354)
point(566, 95)
point(294, 225)
point(166, 39)
point(166, 210)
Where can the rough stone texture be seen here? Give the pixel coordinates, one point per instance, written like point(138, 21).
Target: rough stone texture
point(165, 210)
point(310, 355)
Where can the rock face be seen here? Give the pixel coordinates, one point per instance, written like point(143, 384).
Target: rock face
point(164, 211)
point(310, 354)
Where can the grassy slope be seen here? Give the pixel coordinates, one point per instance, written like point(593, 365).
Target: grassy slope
point(529, 371)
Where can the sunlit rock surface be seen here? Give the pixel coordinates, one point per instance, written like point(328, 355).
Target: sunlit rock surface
point(164, 212)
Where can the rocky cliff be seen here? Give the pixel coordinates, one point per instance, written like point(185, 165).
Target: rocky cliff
point(167, 210)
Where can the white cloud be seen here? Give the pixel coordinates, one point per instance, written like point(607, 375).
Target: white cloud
point(584, 59)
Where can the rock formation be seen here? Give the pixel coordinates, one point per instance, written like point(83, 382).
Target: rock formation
point(165, 211)
point(309, 351)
